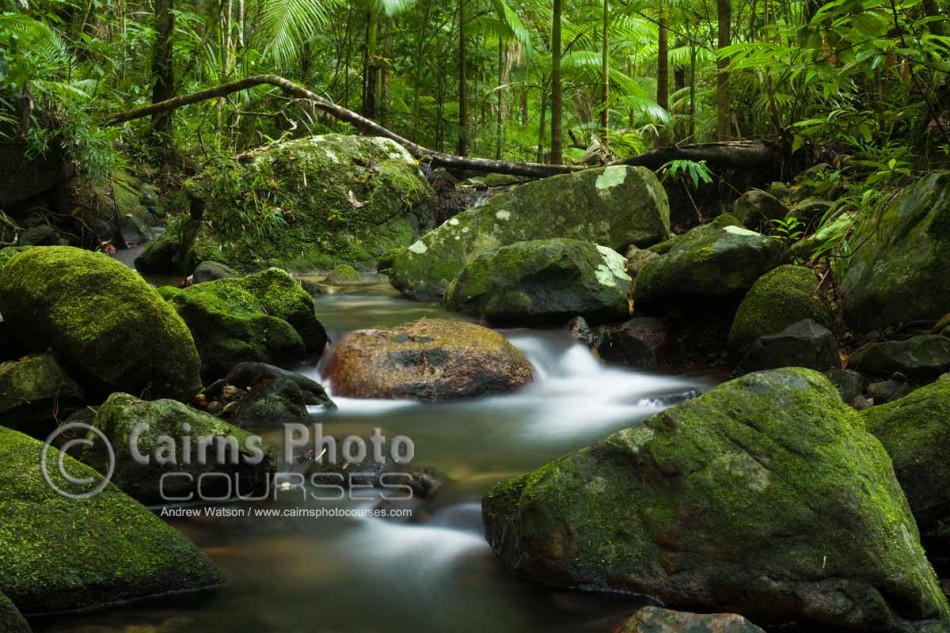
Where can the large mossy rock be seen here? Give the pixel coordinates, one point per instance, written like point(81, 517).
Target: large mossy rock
point(11, 620)
point(756, 209)
point(613, 206)
point(766, 496)
point(35, 392)
point(920, 358)
point(656, 620)
point(900, 269)
point(61, 554)
point(915, 430)
point(716, 261)
point(266, 317)
point(430, 359)
point(246, 462)
point(780, 298)
point(543, 282)
point(313, 202)
point(112, 330)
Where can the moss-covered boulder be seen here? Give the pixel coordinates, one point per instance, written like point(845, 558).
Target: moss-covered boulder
point(766, 496)
point(543, 282)
point(612, 206)
point(266, 317)
point(139, 429)
point(778, 299)
point(900, 269)
point(61, 554)
point(34, 393)
point(756, 209)
point(709, 262)
point(261, 395)
point(920, 358)
point(802, 344)
point(657, 620)
point(212, 271)
point(430, 359)
point(11, 620)
point(915, 430)
point(112, 331)
point(311, 203)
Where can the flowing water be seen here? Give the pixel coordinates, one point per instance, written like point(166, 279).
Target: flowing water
point(434, 572)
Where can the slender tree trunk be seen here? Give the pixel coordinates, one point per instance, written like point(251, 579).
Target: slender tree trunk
point(557, 105)
point(663, 69)
point(372, 67)
point(542, 124)
point(605, 78)
point(463, 96)
point(386, 77)
point(499, 112)
point(932, 9)
point(163, 69)
point(723, 118)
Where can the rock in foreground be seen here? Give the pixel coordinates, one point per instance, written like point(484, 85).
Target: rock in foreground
point(59, 554)
point(656, 620)
point(764, 497)
point(613, 206)
point(543, 282)
point(431, 359)
point(11, 621)
point(111, 329)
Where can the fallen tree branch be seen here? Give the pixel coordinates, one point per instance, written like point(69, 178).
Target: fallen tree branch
point(736, 155)
point(420, 153)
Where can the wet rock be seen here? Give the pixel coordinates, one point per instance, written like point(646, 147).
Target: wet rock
point(766, 496)
point(755, 209)
point(245, 463)
point(543, 282)
point(212, 271)
point(921, 358)
point(850, 384)
point(35, 393)
point(778, 299)
point(11, 621)
point(61, 554)
point(656, 620)
point(343, 275)
point(112, 331)
point(901, 272)
point(612, 206)
point(430, 359)
point(258, 395)
point(708, 262)
point(266, 317)
point(803, 344)
point(637, 258)
point(894, 388)
point(641, 343)
point(915, 430)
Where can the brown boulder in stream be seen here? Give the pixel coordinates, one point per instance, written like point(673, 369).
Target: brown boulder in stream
point(430, 359)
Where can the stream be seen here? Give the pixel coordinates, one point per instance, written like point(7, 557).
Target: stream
point(434, 572)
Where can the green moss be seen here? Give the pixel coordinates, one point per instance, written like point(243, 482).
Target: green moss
point(543, 282)
point(112, 330)
point(313, 202)
point(121, 413)
point(266, 317)
point(59, 554)
point(10, 619)
point(629, 207)
point(343, 274)
point(33, 392)
point(766, 487)
point(780, 298)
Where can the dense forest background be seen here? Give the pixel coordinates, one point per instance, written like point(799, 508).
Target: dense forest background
point(567, 81)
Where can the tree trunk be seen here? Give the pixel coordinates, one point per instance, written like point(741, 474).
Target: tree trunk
point(463, 96)
point(932, 9)
point(663, 69)
point(557, 106)
point(372, 68)
point(605, 78)
point(163, 69)
point(723, 118)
